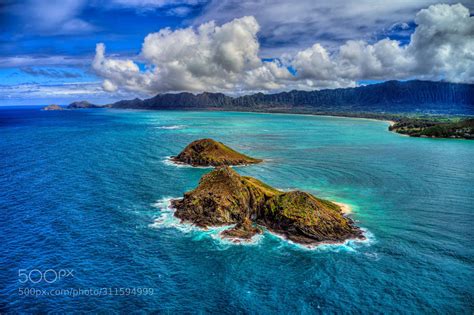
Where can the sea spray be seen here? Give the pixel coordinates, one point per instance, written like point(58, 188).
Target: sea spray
point(167, 219)
point(350, 245)
point(169, 162)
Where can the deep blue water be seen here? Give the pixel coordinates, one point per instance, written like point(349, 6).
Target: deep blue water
point(83, 190)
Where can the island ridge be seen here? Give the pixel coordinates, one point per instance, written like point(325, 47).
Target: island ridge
point(208, 152)
point(224, 197)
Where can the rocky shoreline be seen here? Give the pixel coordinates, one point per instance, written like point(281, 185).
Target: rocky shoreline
point(223, 197)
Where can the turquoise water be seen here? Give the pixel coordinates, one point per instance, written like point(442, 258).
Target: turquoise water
point(87, 190)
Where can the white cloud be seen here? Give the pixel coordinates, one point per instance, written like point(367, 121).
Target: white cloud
point(226, 58)
point(153, 3)
point(109, 86)
point(178, 8)
point(32, 90)
point(211, 57)
point(29, 60)
point(53, 17)
point(64, 93)
point(443, 44)
point(66, 17)
point(295, 25)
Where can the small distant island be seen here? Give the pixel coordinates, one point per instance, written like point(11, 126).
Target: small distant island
point(82, 105)
point(73, 105)
point(208, 152)
point(223, 197)
point(52, 107)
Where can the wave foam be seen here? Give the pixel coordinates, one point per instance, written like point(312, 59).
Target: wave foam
point(166, 219)
point(168, 161)
point(172, 127)
point(350, 245)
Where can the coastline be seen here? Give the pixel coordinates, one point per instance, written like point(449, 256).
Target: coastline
point(322, 245)
point(335, 115)
point(167, 219)
point(391, 119)
point(168, 160)
point(322, 114)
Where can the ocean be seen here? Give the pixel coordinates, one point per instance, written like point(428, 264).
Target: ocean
point(85, 223)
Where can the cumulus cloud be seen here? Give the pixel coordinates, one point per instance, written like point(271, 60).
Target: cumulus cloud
point(125, 73)
point(441, 48)
point(226, 58)
point(291, 27)
point(211, 57)
point(443, 43)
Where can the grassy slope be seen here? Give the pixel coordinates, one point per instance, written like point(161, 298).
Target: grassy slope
point(220, 151)
point(208, 152)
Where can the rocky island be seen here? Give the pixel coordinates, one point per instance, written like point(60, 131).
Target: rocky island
point(52, 107)
point(73, 105)
point(224, 197)
point(208, 152)
point(83, 105)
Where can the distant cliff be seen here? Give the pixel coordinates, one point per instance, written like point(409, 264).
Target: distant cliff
point(388, 97)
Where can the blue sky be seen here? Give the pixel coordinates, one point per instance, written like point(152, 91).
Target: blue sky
point(47, 47)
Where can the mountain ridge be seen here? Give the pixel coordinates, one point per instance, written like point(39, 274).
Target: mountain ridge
point(414, 96)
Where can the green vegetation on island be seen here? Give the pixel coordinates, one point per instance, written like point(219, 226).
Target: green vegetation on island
point(423, 126)
point(208, 152)
point(224, 197)
point(435, 128)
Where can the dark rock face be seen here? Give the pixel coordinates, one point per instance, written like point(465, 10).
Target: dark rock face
point(243, 230)
point(224, 197)
point(52, 107)
point(208, 152)
point(387, 97)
